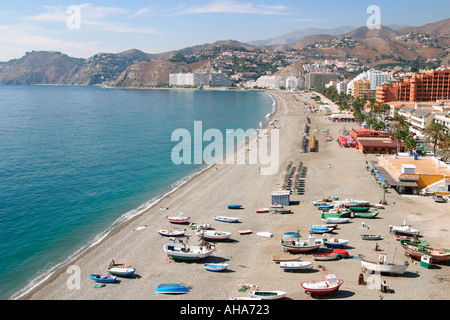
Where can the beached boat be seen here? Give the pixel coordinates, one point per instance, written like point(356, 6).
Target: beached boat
point(180, 219)
point(226, 219)
point(172, 233)
point(215, 267)
point(295, 265)
point(322, 287)
point(264, 234)
point(335, 214)
point(281, 211)
point(335, 243)
point(359, 209)
point(262, 210)
point(103, 278)
point(171, 288)
point(371, 237)
point(276, 205)
point(286, 258)
point(235, 206)
point(320, 229)
point(267, 295)
point(181, 251)
point(245, 231)
point(366, 215)
point(121, 271)
point(301, 246)
point(400, 237)
point(325, 207)
point(336, 220)
point(325, 256)
point(341, 252)
point(403, 229)
point(213, 235)
point(352, 203)
point(396, 268)
point(417, 250)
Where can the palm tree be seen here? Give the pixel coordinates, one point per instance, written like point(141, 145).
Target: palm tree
point(400, 135)
point(400, 122)
point(436, 132)
point(410, 143)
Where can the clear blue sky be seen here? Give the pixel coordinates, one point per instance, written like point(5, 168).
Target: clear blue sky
point(157, 26)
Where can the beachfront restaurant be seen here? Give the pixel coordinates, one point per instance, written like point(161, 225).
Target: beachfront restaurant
point(374, 145)
point(414, 175)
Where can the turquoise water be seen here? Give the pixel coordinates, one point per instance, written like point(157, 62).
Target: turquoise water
point(78, 161)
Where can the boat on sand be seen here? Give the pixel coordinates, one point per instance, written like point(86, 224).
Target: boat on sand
point(181, 251)
point(267, 295)
point(180, 218)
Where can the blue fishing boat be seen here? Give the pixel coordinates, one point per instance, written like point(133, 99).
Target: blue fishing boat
point(235, 206)
point(292, 234)
point(171, 288)
point(320, 229)
point(102, 278)
point(216, 266)
point(335, 243)
point(226, 219)
point(325, 207)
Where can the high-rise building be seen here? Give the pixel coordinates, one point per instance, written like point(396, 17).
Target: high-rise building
point(431, 85)
point(216, 79)
point(319, 79)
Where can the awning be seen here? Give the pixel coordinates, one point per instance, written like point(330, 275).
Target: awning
point(392, 181)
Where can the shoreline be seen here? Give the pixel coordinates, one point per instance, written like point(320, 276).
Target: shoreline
point(250, 256)
point(60, 266)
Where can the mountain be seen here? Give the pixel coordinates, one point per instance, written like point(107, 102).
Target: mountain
point(439, 28)
point(366, 33)
point(295, 35)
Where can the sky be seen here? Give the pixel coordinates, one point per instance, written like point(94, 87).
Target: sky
point(82, 29)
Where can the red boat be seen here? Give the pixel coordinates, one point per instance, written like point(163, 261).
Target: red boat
point(341, 252)
point(322, 287)
point(180, 219)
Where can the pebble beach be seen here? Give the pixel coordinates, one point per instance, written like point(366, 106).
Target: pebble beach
point(329, 171)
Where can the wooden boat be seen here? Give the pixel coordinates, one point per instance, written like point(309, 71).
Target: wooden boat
point(267, 295)
point(180, 219)
point(335, 214)
point(121, 271)
point(171, 288)
point(359, 209)
point(245, 231)
point(325, 256)
point(281, 211)
point(400, 237)
point(322, 287)
point(226, 219)
point(404, 229)
point(215, 267)
point(417, 250)
point(301, 246)
point(372, 267)
point(235, 206)
point(181, 251)
point(286, 258)
point(172, 233)
point(320, 229)
point(103, 278)
point(353, 203)
point(336, 220)
point(370, 237)
point(366, 215)
point(335, 243)
point(262, 210)
point(295, 265)
point(213, 235)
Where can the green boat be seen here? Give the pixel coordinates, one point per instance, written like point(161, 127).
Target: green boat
point(366, 215)
point(335, 214)
point(360, 209)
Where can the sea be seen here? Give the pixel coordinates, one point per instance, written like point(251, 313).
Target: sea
point(77, 162)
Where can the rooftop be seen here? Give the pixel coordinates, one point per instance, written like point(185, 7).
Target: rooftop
point(423, 165)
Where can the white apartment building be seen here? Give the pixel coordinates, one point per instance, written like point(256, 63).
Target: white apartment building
point(443, 119)
point(375, 77)
point(294, 83)
point(199, 79)
point(270, 82)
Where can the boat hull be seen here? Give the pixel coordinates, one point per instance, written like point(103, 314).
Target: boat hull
point(267, 295)
point(103, 279)
point(226, 219)
point(365, 215)
point(417, 251)
point(370, 237)
point(399, 268)
point(171, 289)
point(320, 287)
point(299, 246)
point(336, 243)
point(325, 256)
point(214, 235)
point(189, 252)
point(122, 271)
point(295, 265)
point(215, 267)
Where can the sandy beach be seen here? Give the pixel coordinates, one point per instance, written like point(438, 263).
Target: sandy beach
point(250, 256)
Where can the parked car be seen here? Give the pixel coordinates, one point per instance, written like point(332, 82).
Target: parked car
point(447, 198)
point(438, 198)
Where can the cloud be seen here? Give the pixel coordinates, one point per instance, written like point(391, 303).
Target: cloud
point(231, 6)
point(143, 11)
point(98, 18)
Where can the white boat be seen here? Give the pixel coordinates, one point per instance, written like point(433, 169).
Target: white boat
point(295, 265)
point(213, 235)
point(301, 246)
point(181, 251)
point(172, 233)
point(216, 266)
point(382, 266)
point(335, 243)
point(267, 295)
point(336, 220)
point(226, 219)
point(181, 218)
point(325, 256)
point(264, 234)
point(403, 229)
point(322, 287)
